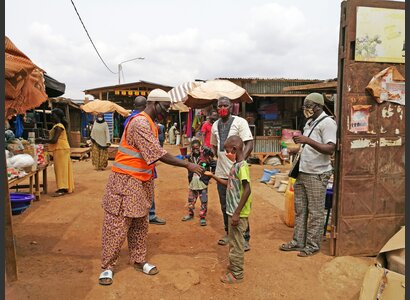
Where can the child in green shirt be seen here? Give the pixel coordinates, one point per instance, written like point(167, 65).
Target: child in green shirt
point(238, 207)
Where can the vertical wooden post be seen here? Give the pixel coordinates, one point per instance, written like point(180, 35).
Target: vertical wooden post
point(11, 260)
point(67, 116)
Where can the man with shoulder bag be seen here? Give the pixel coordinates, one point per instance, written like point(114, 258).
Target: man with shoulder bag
point(312, 170)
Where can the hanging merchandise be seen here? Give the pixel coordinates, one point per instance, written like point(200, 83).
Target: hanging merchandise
point(235, 109)
point(19, 128)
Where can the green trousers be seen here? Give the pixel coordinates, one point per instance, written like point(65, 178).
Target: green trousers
point(236, 242)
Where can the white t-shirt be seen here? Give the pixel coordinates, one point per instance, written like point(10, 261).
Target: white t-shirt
point(240, 128)
point(312, 161)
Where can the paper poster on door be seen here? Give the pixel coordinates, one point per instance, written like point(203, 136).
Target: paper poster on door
point(359, 118)
point(380, 35)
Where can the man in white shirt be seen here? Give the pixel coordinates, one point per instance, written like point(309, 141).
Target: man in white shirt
point(315, 169)
point(226, 126)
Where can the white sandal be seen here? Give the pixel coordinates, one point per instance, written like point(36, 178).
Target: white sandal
point(148, 269)
point(107, 274)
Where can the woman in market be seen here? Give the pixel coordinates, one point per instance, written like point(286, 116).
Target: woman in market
point(58, 144)
point(100, 136)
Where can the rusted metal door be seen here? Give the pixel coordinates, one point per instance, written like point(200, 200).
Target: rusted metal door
point(369, 201)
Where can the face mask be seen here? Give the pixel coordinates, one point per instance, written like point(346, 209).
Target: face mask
point(231, 156)
point(223, 112)
point(308, 113)
point(100, 119)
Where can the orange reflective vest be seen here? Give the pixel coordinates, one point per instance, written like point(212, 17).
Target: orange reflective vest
point(129, 160)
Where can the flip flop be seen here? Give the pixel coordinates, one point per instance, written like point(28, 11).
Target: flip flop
point(58, 194)
point(202, 222)
point(306, 253)
point(223, 241)
point(147, 269)
point(289, 247)
point(246, 246)
point(230, 278)
point(187, 218)
point(105, 277)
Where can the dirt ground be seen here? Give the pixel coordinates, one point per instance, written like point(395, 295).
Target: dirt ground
point(58, 244)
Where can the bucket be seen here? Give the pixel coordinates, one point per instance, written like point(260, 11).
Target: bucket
point(20, 202)
point(183, 151)
point(267, 174)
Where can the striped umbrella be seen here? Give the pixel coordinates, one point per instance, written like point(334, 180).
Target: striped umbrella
point(180, 93)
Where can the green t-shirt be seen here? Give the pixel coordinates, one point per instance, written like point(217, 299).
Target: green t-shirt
point(234, 190)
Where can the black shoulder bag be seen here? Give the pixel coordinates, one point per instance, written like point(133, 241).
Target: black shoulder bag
point(294, 171)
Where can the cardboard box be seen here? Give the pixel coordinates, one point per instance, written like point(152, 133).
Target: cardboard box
point(383, 280)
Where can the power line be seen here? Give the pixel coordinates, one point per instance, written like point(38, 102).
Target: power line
point(91, 39)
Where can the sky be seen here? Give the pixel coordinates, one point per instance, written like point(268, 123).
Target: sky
point(181, 40)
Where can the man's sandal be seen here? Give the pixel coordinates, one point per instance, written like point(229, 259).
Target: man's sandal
point(105, 277)
point(306, 253)
point(289, 247)
point(230, 278)
point(146, 268)
point(223, 241)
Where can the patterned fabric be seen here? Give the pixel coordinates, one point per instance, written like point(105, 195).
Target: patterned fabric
point(234, 190)
point(310, 195)
point(116, 228)
point(24, 81)
point(99, 157)
point(124, 192)
point(193, 195)
point(196, 183)
point(236, 249)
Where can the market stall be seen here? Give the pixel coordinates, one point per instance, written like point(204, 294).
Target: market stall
point(25, 89)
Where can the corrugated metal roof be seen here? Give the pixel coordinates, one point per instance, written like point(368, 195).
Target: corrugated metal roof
point(271, 79)
point(127, 85)
point(270, 85)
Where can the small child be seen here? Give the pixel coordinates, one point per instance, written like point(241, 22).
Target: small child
point(198, 186)
point(238, 207)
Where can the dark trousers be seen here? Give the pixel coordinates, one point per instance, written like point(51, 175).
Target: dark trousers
point(222, 200)
point(152, 210)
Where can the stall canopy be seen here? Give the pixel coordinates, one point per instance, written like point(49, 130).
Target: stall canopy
point(54, 88)
point(24, 81)
point(207, 93)
point(104, 106)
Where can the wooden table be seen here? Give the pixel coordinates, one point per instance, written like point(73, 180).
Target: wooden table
point(34, 181)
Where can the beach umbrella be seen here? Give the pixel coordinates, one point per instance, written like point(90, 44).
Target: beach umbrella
point(103, 106)
point(180, 93)
point(207, 93)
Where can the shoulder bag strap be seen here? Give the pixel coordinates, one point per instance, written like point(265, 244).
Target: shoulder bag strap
point(320, 120)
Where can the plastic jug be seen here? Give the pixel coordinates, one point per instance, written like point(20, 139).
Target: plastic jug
point(289, 214)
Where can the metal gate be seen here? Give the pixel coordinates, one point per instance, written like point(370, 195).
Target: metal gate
point(370, 179)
